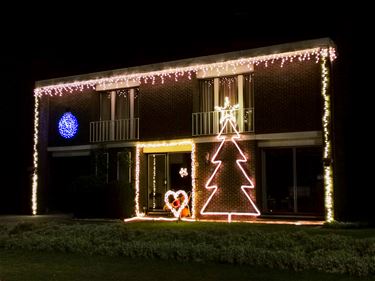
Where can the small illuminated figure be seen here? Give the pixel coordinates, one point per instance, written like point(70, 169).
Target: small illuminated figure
point(183, 172)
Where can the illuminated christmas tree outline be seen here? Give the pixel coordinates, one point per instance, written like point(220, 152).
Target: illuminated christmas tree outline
point(227, 112)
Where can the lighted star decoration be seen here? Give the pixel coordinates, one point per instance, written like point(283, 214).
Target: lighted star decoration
point(227, 111)
point(183, 172)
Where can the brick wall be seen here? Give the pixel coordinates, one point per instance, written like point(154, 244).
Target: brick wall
point(227, 180)
point(85, 106)
point(287, 98)
point(166, 109)
point(43, 163)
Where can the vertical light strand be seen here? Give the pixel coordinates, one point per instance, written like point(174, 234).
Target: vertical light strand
point(153, 181)
point(137, 164)
point(193, 180)
point(327, 148)
point(34, 194)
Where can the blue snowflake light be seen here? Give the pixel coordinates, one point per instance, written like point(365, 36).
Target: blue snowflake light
point(68, 125)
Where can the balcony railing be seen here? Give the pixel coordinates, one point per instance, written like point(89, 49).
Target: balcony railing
point(208, 123)
point(114, 130)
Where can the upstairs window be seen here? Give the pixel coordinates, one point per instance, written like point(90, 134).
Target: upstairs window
point(206, 95)
point(248, 91)
point(238, 88)
point(119, 104)
point(228, 87)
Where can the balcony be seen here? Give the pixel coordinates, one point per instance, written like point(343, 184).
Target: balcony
point(114, 130)
point(208, 123)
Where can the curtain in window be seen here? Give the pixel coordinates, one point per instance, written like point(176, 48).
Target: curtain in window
point(247, 91)
point(105, 106)
point(136, 102)
point(228, 87)
point(122, 104)
point(206, 95)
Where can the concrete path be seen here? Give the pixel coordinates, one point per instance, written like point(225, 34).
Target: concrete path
point(37, 218)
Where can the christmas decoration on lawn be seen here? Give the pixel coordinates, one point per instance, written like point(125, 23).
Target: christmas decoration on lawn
point(68, 125)
point(223, 192)
point(179, 203)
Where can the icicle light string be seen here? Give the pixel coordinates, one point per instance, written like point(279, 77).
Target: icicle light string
point(174, 73)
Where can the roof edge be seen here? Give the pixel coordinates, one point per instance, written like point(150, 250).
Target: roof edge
point(222, 57)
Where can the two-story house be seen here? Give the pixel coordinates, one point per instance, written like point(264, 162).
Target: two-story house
point(154, 128)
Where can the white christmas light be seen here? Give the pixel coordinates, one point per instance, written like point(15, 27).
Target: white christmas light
point(79, 86)
point(183, 172)
point(193, 196)
point(326, 120)
point(227, 112)
point(321, 54)
point(154, 182)
point(137, 165)
point(176, 195)
point(34, 194)
point(139, 214)
point(157, 219)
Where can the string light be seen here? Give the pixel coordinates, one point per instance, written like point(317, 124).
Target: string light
point(34, 203)
point(137, 169)
point(176, 195)
point(79, 86)
point(228, 117)
point(321, 54)
point(153, 181)
point(183, 172)
point(193, 194)
point(326, 120)
point(157, 219)
point(68, 125)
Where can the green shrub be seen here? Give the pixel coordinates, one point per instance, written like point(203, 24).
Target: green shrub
point(22, 227)
point(294, 249)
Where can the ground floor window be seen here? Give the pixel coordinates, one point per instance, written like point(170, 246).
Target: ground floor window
point(124, 160)
point(292, 181)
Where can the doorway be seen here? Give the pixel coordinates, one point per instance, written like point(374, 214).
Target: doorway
point(167, 171)
point(157, 181)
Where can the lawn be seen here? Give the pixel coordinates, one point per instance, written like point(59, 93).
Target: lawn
point(38, 266)
point(188, 250)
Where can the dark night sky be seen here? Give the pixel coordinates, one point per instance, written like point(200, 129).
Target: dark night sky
point(70, 40)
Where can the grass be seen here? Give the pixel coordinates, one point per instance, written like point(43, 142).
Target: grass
point(246, 227)
point(290, 247)
point(40, 266)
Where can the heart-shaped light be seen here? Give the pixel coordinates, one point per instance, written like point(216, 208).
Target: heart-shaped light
point(176, 212)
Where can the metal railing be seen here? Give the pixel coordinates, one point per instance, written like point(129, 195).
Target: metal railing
point(208, 123)
point(114, 130)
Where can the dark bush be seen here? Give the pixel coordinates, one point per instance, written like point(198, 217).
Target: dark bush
point(94, 198)
point(88, 193)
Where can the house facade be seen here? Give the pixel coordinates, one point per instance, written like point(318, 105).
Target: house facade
point(244, 134)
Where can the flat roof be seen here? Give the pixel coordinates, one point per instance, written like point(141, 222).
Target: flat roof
point(253, 53)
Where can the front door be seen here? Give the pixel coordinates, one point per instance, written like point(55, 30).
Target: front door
point(157, 181)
